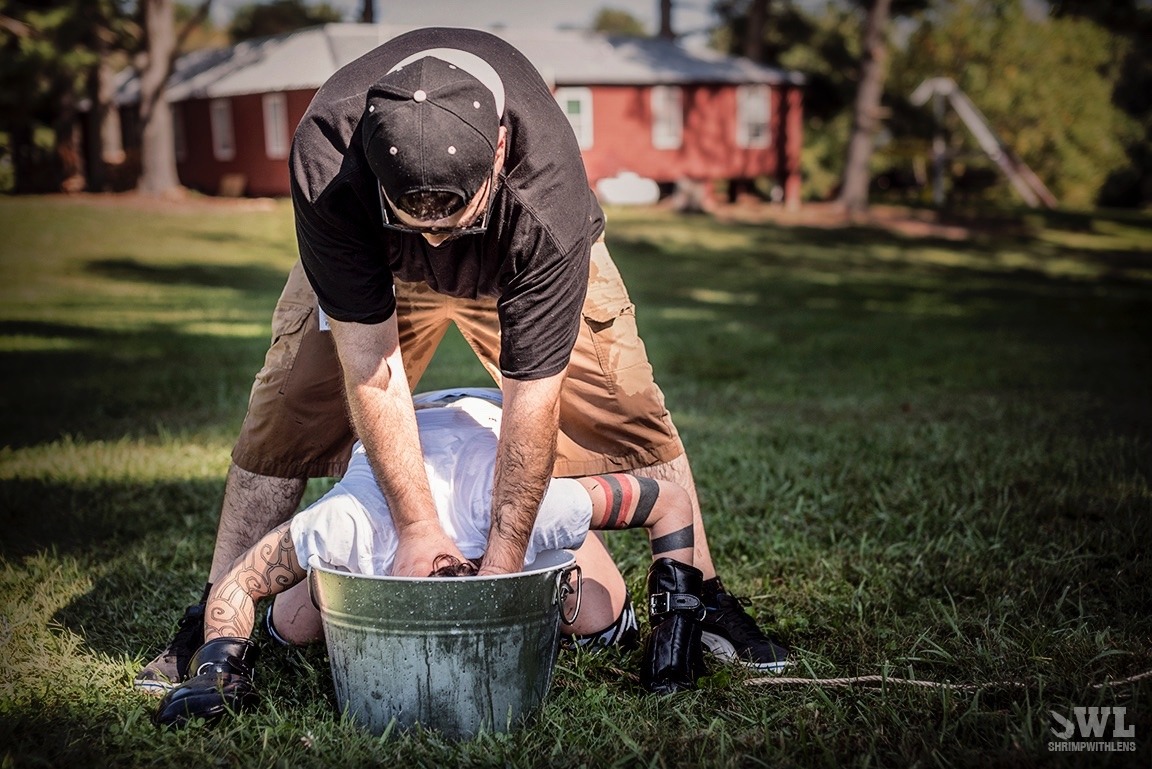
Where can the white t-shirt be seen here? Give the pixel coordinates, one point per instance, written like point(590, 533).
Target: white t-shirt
point(350, 528)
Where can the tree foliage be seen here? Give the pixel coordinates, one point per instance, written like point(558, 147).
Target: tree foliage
point(613, 21)
point(279, 16)
point(1069, 91)
point(1130, 21)
point(47, 52)
point(1044, 84)
point(56, 55)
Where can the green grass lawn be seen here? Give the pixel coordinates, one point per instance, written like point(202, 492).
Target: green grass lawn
point(918, 458)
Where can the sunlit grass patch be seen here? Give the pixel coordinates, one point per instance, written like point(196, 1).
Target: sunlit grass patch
point(126, 459)
point(22, 343)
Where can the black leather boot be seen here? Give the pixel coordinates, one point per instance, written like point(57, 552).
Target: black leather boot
point(220, 680)
point(673, 656)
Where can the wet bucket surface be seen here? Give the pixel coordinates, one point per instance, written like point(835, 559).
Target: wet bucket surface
point(457, 654)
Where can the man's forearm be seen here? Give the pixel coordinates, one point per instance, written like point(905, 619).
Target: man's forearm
point(524, 462)
point(382, 414)
point(386, 426)
point(381, 409)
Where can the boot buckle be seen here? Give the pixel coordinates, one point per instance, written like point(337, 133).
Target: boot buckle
point(662, 603)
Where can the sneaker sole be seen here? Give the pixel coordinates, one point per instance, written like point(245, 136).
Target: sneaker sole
point(158, 688)
point(722, 648)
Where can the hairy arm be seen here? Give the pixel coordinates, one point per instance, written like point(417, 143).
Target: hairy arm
point(524, 460)
point(382, 415)
point(267, 568)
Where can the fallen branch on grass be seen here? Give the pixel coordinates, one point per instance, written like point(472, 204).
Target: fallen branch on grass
point(882, 680)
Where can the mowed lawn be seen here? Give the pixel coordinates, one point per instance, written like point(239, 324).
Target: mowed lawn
point(920, 456)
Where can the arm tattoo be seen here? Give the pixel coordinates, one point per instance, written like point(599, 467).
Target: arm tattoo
point(269, 567)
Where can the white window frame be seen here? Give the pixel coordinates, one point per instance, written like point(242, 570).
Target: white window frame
point(275, 125)
point(179, 135)
point(754, 110)
point(667, 117)
point(223, 135)
point(581, 122)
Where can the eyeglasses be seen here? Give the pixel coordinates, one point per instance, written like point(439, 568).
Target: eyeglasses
point(391, 223)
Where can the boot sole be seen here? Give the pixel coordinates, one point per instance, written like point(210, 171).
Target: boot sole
point(157, 688)
point(721, 648)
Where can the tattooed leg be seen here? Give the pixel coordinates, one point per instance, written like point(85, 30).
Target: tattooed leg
point(623, 501)
point(267, 568)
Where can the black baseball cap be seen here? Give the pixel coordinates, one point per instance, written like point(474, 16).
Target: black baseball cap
point(430, 126)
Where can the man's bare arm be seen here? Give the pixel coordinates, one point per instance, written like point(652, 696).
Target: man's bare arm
point(524, 461)
point(382, 415)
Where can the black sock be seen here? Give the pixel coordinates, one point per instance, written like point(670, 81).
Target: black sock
point(622, 632)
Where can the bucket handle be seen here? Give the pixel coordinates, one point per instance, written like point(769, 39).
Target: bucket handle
point(565, 589)
point(312, 586)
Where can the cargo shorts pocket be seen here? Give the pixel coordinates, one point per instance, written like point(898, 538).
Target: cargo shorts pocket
point(287, 334)
point(619, 351)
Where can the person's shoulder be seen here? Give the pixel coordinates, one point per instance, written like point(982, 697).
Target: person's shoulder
point(326, 145)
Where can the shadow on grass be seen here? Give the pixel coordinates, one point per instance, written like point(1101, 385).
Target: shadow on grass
point(108, 384)
point(115, 729)
point(82, 519)
point(240, 277)
point(133, 608)
point(49, 330)
point(876, 251)
point(104, 385)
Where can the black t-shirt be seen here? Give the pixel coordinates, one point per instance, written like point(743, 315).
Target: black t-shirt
point(534, 256)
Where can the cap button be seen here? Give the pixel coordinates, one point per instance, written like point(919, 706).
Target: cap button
point(419, 95)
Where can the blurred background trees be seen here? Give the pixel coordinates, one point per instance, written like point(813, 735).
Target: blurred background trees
point(1067, 84)
point(1047, 85)
point(53, 55)
point(279, 16)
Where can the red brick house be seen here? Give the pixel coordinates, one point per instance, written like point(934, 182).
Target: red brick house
point(645, 106)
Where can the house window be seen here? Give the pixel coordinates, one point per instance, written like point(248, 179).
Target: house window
point(577, 105)
point(223, 139)
point(752, 107)
point(275, 125)
point(667, 117)
point(179, 138)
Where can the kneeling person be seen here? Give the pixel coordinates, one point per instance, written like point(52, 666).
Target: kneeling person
point(351, 529)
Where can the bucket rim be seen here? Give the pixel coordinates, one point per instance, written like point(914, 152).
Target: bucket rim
point(546, 561)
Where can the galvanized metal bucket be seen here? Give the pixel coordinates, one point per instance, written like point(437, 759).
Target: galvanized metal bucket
point(456, 654)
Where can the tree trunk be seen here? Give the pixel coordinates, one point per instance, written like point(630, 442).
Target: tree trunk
point(666, 20)
point(69, 158)
point(105, 145)
point(97, 169)
point(157, 146)
point(157, 143)
point(873, 71)
point(754, 32)
point(368, 12)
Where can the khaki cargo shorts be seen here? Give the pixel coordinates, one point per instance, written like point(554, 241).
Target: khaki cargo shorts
point(612, 413)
